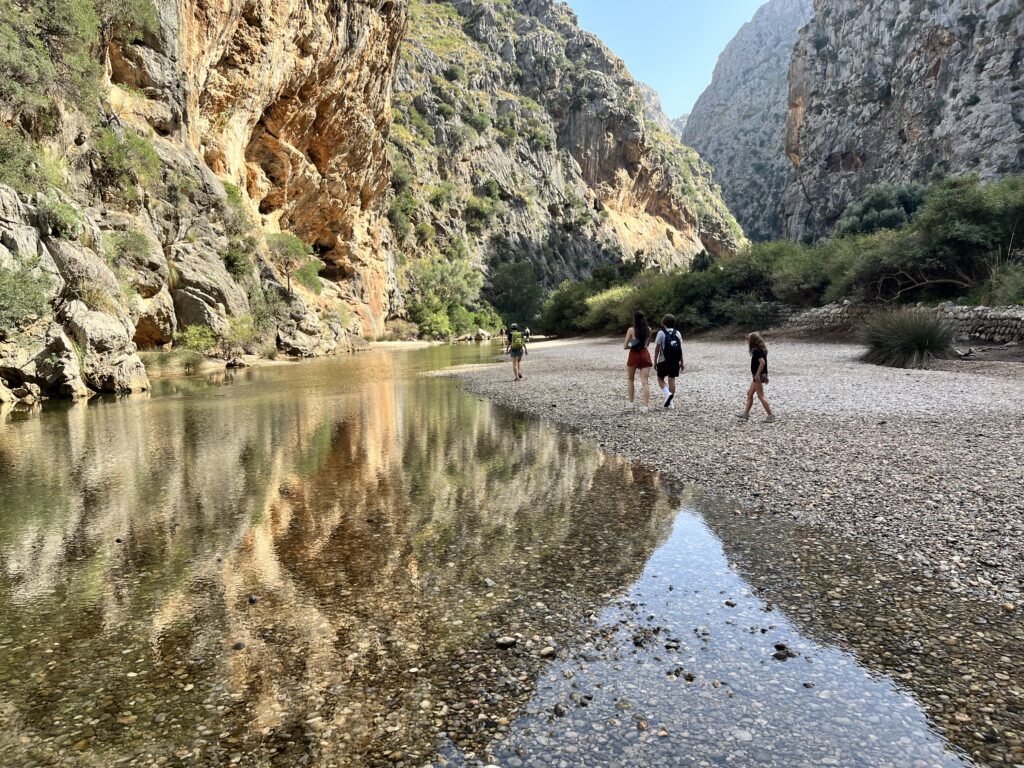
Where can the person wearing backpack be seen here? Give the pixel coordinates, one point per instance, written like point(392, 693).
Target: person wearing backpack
point(668, 352)
point(516, 350)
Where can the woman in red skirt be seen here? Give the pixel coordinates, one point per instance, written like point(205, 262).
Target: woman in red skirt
point(638, 337)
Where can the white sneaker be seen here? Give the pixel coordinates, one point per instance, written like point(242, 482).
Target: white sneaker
point(644, 409)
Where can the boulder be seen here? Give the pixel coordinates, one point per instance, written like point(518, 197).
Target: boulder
point(110, 363)
point(204, 292)
point(157, 321)
point(58, 368)
point(6, 396)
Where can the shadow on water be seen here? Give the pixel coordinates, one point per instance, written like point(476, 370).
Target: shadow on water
point(312, 566)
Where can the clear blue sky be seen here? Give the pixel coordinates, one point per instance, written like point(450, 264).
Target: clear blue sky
point(672, 45)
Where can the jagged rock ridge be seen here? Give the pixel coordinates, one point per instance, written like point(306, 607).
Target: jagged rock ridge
point(527, 139)
point(884, 91)
point(738, 123)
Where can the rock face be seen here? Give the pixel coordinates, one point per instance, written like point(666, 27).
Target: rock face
point(228, 121)
point(292, 102)
point(738, 124)
point(523, 138)
point(884, 91)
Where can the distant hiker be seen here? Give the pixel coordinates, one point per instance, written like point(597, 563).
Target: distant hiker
point(759, 374)
point(637, 338)
point(526, 334)
point(668, 352)
point(516, 350)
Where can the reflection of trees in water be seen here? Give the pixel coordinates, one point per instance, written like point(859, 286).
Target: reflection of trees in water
point(959, 657)
point(365, 525)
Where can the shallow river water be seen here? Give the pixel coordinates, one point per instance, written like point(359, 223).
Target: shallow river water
point(326, 564)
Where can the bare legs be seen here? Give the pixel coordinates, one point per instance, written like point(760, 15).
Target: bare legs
point(645, 384)
point(516, 364)
point(757, 388)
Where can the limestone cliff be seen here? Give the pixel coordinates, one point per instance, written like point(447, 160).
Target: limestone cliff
point(525, 138)
point(221, 123)
point(738, 123)
point(884, 91)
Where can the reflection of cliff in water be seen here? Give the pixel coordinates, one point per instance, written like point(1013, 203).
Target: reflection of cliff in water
point(959, 657)
point(383, 534)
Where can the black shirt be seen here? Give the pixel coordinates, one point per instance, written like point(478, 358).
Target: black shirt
point(756, 356)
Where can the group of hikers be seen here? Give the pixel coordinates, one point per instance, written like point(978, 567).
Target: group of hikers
point(668, 362)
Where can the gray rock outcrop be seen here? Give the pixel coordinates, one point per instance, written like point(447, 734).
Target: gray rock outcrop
point(738, 124)
point(897, 92)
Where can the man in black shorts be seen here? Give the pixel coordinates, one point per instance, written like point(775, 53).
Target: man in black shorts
point(668, 352)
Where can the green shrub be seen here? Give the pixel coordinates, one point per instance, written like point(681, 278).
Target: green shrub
point(400, 214)
point(881, 206)
point(441, 195)
point(268, 309)
point(23, 296)
point(799, 275)
point(237, 260)
point(400, 330)
point(308, 276)
point(62, 219)
point(605, 310)
point(478, 121)
point(425, 233)
point(447, 111)
point(1006, 284)
point(477, 213)
point(242, 333)
point(565, 307)
point(906, 338)
point(269, 351)
point(491, 189)
point(191, 361)
point(454, 72)
point(123, 164)
point(129, 246)
point(45, 56)
point(196, 338)
point(24, 166)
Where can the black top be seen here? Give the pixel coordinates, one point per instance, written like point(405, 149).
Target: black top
point(756, 356)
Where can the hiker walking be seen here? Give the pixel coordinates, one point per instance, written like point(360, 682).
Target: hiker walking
point(516, 350)
point(668, 355)
point(759, 374)
point(639, 359)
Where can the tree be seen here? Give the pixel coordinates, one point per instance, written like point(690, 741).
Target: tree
point(515, 291)
point(290, 253)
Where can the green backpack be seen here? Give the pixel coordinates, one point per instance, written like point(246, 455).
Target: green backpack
point(517, 342)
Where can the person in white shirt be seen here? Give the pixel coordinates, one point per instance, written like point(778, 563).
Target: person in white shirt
point(668, 352)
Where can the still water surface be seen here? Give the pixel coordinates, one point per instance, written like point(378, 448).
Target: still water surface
point(311, 565)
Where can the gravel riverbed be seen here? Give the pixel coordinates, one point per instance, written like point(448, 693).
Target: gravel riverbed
point(927, 465)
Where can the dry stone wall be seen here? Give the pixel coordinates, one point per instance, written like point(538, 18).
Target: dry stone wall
point(996, 325)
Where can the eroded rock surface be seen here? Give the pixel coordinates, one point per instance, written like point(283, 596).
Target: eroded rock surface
point(738, 124)
point(882, 91)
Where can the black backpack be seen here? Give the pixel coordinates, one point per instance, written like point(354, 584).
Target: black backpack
point(673, 350)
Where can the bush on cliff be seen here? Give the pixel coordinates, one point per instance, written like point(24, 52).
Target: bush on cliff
point(23, 296)
point(906, 338)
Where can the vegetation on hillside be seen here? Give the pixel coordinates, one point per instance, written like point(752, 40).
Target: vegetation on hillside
point(961, 240)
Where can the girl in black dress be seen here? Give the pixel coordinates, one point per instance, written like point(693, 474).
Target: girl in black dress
point(759, 375)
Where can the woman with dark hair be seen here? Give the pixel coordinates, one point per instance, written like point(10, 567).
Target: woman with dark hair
point(638, 337)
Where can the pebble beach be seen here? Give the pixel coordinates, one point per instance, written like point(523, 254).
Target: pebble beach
point(927, 465)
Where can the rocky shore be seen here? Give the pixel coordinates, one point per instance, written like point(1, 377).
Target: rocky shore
point(926, 465)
